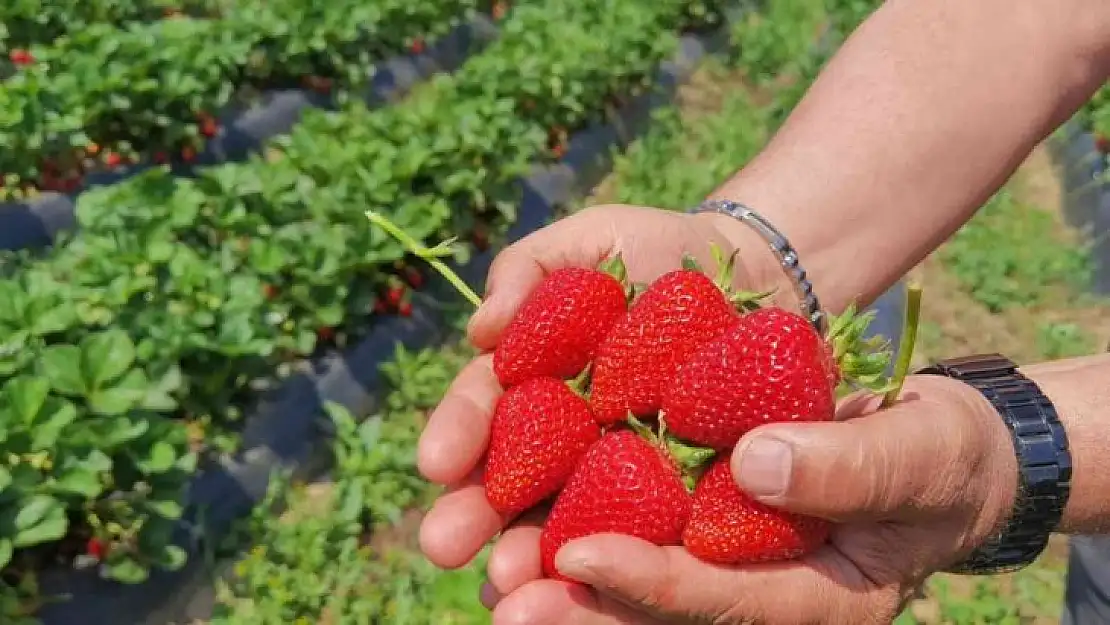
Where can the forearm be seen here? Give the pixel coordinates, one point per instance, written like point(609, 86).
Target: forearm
point(1080, 390)
point(926, 110)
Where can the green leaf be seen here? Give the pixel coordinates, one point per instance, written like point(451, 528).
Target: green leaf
point(6, 551)
point(26, 396)
point(171, 558)
point(159, 394)
point(105, 356)
point(57, 415)
point(127, 394)
point(161, 459)
point(166, 508)
point(127, 570)
point(5, 480)
point(61, 365)
point(41, 519)
point(81, 481)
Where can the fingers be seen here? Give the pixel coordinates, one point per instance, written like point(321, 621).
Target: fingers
point(515, 559)
point(457, 433)
point(891, 464)
point(459, 524)
point(581, 240)
point(550, 602)
point(676, 587)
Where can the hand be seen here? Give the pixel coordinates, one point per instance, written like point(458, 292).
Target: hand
point(915, 488)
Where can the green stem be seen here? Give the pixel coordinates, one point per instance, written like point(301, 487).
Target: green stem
point(430, 255)
point(906, 345)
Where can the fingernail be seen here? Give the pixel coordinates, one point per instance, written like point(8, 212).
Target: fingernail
point(488, 596)
point(763, 467)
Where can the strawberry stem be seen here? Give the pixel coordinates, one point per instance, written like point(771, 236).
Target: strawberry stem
point(580, 383)
point(430, 255)
point(906, 345)
point(614, 266)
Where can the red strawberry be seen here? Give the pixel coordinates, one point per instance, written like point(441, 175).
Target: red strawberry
point(394, 295)
point(325, 333)
point(558, 329)
point(417, 46)
point(111, 159)
point(676, 315)
point(380, 307)
point(405, 309)
point(20, 57)
point(729, 527)
point(269, 291)
point(624, 484)
point(1102, 143)
point(768, 366)
point(540, 430)
point(95, 549)
point(414, 278)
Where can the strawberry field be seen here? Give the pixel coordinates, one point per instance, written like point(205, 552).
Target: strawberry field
point(142, 353)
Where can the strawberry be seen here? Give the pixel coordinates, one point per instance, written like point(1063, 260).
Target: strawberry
point(413, 277)
point(111, 159)
point(417, 46)
point(20, 57)
point(394, 295)
point(1102, 143)
point(540, 430)
point(405, 309)
point(269, 291)
point(325, 333)
point(380, 307)
point(673, 317)
point(728, 527)
point(94, 548)
point(624, 484)
point(768, 366)
point(558, 329)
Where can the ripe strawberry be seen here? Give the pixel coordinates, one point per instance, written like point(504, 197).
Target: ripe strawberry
point(19, 56)
point(728, 527)
point(405, 309)
point(413, 277)
point(672, 318)
point(209, 127)
point(325, 333)
point(394, 295)
point(95, 548)
point(540, 430)
point(111, 159)
point(1102, 143)
point(417, 46)
point(558, 329)
point(269, 291)
point(624, 484)
point(380, 307)
point(768, 366)
point(188, 154)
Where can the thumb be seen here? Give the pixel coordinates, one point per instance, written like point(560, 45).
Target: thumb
point(581, 240)
point(914, 457)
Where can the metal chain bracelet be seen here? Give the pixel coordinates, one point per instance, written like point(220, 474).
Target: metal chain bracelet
point(780, 246)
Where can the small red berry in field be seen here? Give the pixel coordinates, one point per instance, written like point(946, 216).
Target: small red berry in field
point(188, 154)
point(394, 295)
point(414, 277)
point(325, 333)
point(559, 151)
point(1102, 143)
point(161, 158)
point(379, 307)
point(209, 127)
point(405, 309)
point(269, 291)
point(20, 57)
point(480, 238)
point(92, 149)
point(111, 159)
point(500, 9)
point(95, 548)
point(417, 46)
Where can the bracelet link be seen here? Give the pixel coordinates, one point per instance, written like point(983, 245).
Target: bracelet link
point(809, 305)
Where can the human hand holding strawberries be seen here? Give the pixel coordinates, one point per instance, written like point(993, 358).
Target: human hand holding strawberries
point(648, 544)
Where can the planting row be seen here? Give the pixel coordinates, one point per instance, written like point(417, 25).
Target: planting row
point(26, 23)
point(104, 96)
point(178, 300)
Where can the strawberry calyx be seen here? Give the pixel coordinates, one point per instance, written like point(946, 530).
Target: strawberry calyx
point(580, 384)
point(691, 460)
point(615, 267)
point(862, 362)
point(744, 301)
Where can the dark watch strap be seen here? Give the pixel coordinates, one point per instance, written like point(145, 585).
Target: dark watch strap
point(1044, 461)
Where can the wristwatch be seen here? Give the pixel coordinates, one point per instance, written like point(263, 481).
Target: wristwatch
point(1044, 461)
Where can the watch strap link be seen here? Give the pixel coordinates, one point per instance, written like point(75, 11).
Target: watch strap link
point(1044, 461)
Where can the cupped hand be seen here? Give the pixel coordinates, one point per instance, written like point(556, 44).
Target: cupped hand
point(651, 243)
point(914, 489)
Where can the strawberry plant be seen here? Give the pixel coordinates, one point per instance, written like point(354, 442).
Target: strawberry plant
point(105, 96)
point(177, 300)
